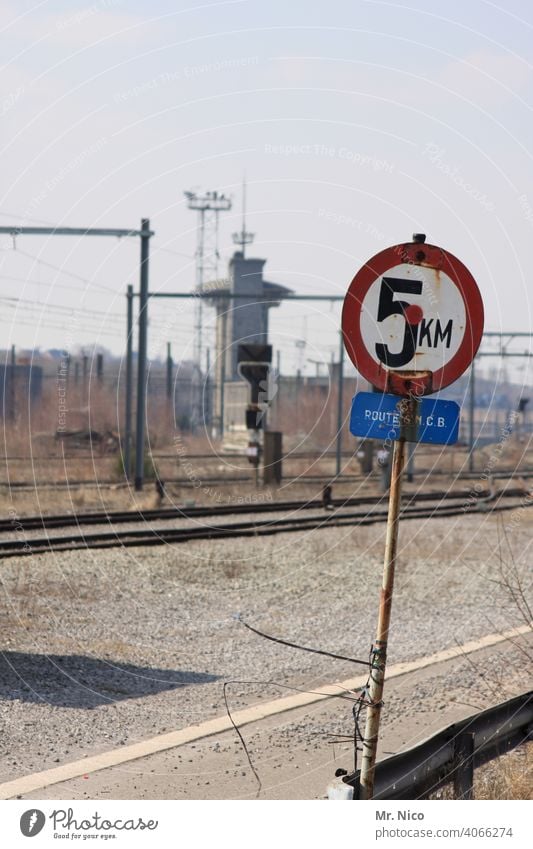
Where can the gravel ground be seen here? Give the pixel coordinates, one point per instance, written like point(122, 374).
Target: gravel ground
point(295, 754)
point(107, 647)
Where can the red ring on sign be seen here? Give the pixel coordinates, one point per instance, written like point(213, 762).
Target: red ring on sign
point(429, 256)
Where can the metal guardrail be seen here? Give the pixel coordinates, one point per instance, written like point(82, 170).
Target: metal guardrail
point(450, 756)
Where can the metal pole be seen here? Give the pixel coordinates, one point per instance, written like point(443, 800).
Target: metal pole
point(379, 650)
point(339, 408)
point(198, 322)
point(222, 354)
point(12, 383)
point(472, 410)
point(207, 391)
point(258, 459)
point(169, 372)
point(129, 383)
point(141, 357)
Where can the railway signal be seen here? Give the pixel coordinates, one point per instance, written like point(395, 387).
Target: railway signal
point(253, 364)
point(412, 322)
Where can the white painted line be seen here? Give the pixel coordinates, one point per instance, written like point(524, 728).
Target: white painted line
point(40, 780)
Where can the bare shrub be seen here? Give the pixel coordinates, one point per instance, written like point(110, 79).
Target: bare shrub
point(508, 777)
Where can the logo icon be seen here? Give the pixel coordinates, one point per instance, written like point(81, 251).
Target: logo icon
point(32, 822)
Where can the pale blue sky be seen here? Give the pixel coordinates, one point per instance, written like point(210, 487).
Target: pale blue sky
point(357, 123)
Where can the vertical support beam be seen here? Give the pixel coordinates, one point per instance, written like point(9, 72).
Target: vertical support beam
point(198, 306)
point(207, 391)
point(340, 408)
point(169, 372)
point(472, 399)
point(256, 439)
point(129, 382)
point(463, 776)
point(13, 388)
point(272, 457)
point(368, 456)
point(141, 357)
point(408, 412)
point(222, 355)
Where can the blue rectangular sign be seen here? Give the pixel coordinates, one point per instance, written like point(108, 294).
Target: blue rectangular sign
point(375, 416)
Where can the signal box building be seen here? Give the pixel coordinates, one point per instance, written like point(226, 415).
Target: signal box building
point(242, 320)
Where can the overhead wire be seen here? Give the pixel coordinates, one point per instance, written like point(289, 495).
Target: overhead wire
point(175, 253)
point(62, 327)
point(159, 324)
point(50, 284)
point(71, 274)
point(27, 219)
point(61, 310)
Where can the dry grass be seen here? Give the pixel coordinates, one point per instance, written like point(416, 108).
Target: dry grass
point(34, 457)
point(508, 777)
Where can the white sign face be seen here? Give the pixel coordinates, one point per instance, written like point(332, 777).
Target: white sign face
point(435, 313)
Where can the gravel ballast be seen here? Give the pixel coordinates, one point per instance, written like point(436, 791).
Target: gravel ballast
point(107, 647)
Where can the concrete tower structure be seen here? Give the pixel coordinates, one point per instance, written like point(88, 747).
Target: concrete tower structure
point(244, 319)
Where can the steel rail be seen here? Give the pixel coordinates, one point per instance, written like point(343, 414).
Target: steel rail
point(24, 486)
point(27, 546)
point(113, 517)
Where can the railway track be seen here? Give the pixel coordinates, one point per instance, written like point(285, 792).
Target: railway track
point(119, 517)
point(186, 483)
point(24, 546)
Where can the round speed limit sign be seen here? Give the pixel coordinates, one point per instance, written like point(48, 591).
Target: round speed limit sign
point(412, 319)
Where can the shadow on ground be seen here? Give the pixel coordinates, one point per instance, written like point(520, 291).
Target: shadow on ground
point(84, 682)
